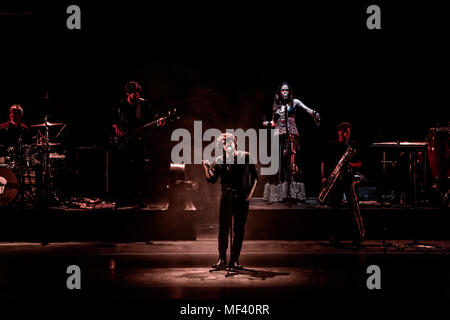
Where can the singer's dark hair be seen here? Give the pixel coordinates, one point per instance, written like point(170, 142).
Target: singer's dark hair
point(223, 137)
point(277, 97)
point(132, 87)
point(344, 126)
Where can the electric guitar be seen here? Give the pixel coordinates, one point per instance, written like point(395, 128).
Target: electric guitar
point(121, 142)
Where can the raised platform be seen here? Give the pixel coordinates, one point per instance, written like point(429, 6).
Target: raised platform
point(314, 222)
point(156, 222)
point(277, 221)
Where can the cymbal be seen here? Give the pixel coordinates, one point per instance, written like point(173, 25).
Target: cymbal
point(49, 144)
point(47, 124)
point(399, 144)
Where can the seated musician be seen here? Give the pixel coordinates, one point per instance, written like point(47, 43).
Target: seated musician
point(340, 193)
point(14, 131)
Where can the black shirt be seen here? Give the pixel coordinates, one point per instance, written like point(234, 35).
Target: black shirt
point(238, 177)
point(131, 116)
point(334, 152)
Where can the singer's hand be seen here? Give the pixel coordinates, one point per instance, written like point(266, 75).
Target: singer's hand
point(206, 164)
point(269, 124)
point(316, 118)
point(160, 122)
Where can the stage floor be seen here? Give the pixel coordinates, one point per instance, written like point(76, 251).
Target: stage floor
point(287, 271)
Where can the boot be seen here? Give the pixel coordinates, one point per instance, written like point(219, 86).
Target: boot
point(235, 265)
point(220, 264)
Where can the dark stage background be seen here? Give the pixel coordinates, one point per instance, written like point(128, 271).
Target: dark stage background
point(221, 63)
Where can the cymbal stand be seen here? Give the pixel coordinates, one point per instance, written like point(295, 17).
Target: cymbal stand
point(19, 162)
point(47, 179)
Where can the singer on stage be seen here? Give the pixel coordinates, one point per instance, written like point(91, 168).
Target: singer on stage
point(285, 111)
point(238, 178)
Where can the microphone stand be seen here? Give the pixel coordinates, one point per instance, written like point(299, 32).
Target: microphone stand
point(229, 192)
point(231, 271)
point(287, 158)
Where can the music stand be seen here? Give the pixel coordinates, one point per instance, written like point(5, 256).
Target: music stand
point(231, 271)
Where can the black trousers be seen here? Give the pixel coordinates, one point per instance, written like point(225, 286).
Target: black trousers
point(239, 212)
point(346, 219)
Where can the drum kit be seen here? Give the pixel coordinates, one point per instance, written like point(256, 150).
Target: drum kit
point(413, 171)
point(27, 171)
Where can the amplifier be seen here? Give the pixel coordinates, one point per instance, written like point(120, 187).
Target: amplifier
point(367, 193)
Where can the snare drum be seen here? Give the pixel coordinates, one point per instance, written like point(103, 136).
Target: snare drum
point(57, 156)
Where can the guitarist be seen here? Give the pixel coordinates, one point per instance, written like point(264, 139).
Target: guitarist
point(334, 151)
point(132, 112)
point(127, 145)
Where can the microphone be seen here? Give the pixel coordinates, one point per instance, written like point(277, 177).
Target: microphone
point(316, 117)
point(208, 166)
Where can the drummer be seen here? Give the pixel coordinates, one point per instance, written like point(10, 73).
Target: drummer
point(14, 132)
